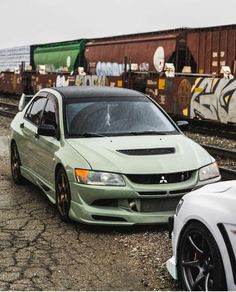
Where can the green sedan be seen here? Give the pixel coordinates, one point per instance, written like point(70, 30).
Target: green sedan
point(106, 155)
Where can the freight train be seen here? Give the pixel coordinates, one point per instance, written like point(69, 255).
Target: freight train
point(195, 88)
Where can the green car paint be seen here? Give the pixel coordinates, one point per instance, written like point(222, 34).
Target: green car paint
point(133, 203)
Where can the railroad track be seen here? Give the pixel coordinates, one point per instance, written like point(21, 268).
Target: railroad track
point(209, 127)
point(222, 152)
point(227, 174)
point(8, 109)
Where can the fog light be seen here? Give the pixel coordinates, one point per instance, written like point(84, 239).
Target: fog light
point(133, 205)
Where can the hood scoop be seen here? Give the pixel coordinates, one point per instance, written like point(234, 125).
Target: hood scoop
point(150, 151)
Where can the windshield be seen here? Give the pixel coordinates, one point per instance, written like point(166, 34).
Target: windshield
point(101, 116)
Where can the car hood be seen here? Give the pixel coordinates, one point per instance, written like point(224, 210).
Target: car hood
point(215, 202)
point(102, 154)
point(220, 189)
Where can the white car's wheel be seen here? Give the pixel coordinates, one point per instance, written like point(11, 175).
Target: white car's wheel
point(200, 265)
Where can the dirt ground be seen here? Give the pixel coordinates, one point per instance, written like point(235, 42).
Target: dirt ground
point(40, 252)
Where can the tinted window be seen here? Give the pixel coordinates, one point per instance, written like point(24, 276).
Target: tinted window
point(34, 112)
point(115, 116)
point(49, 115)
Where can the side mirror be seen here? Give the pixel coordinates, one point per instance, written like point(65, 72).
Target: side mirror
point(183, 125)
point(47, 130)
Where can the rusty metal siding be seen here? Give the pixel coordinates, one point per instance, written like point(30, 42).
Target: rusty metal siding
point(139, 50)
point(202, 52)
point(10, 83)
point(223, 48)
point(231, 49)
point(193, 46)
point(208, 45)
point(215, 52)
point(213, 48)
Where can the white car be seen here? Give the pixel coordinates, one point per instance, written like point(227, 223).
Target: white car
point(204, 238)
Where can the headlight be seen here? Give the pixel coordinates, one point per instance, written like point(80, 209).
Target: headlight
point(209, 171)
point(98, 178)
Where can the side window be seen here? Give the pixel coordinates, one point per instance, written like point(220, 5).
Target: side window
point(35, 110)
point(49, 115)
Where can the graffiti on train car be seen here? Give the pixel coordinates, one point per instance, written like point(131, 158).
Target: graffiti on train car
point(203, 98)
point(215, 99)
point(184, 96)
point(78, 80)
point(109, 69)
point(91, 80)
point(116, 69)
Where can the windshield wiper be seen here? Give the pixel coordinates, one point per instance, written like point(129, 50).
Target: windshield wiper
point(148, 133)
point(90, 134)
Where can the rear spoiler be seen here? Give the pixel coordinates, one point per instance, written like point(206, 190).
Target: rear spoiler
point(24, 100)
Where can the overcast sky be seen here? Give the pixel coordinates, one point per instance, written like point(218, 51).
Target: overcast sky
point(25, 22)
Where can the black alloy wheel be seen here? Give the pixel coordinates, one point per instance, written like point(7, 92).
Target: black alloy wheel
point(15, 165)
point(63, 194)
point(199, 261)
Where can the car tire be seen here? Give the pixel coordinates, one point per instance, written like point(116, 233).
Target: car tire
point(15, 165)
point(63, 194)
point(200, 265)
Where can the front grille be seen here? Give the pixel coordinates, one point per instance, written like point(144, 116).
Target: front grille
point(168, 178)
point(165, 193)
point(153, 193)
point(159, 205)
point(150, 151)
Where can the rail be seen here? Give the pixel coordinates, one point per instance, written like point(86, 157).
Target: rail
point(222, 152)
point(209, 127)
point(8, 109)
point(227, 174)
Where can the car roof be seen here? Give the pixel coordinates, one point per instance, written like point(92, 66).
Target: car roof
point(95, 91)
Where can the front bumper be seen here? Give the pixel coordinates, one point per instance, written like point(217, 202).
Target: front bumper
point(128, 205)
point(84, 208)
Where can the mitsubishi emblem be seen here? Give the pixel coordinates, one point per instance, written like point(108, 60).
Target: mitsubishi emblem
point(163, 180)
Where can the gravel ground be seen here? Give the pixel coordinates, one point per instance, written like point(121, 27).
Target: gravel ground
point(40, 252)
point(213, 140)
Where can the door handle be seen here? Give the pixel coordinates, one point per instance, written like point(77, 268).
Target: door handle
point(36, 136)
point(22, 125)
